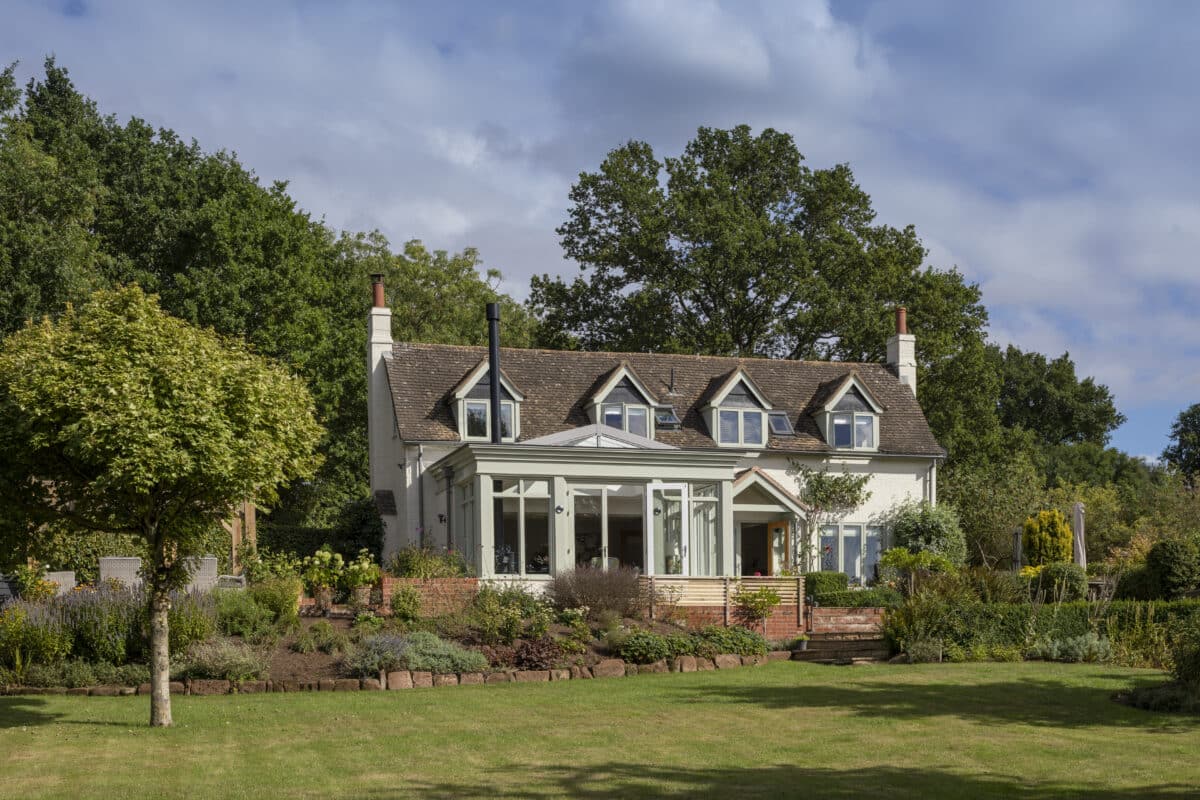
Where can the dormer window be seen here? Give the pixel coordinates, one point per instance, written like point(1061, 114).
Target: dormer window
point(738, 413)
point(472, 407)
point(851, 419)
point(623, 402)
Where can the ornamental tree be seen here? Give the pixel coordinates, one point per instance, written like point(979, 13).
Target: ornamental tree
point(827, 498)
point(121, 418)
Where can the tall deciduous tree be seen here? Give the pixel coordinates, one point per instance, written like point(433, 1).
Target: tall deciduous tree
point(1046, 397)
point(736, 248)
point(1183, 454)
point(121, 418)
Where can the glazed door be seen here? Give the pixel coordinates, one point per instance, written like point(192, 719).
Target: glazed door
point(667, 528)
point(779, 544)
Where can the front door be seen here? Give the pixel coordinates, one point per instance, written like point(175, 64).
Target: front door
point(667, 523)
point(780, 540)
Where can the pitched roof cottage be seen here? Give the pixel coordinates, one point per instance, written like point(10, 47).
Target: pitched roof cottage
point(673, 464)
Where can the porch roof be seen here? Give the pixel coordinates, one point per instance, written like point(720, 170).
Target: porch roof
point(589, 463)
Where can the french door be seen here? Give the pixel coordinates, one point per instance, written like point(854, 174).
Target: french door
point(667, 529)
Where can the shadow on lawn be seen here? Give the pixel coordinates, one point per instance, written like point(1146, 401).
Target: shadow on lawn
point(615, 780)
point(1029, 702)
point(17, 711)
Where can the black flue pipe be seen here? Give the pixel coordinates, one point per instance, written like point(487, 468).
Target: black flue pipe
point(493, 316)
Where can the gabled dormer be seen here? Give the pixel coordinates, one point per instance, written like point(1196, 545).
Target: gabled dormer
point(625, 403)
point(737, 413)
point(849, 418)
point(471, 402)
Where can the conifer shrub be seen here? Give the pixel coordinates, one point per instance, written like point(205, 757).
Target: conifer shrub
point(1046, 538)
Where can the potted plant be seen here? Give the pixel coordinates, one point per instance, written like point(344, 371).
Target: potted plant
point(361, 574)
point(321, 573)
point(800, 643)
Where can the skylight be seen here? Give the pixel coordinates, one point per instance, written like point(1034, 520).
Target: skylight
point(666, 418)
point(780, 424)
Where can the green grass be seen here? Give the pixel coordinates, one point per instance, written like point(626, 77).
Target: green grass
point(786, 729)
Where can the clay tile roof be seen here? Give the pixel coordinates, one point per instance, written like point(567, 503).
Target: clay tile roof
point(558, 386)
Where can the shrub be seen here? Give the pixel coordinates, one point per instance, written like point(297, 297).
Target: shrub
point(32, 634)
point(106, 623)
point(1088, 647)
point(428, 653)
point(616, 590)
point(500, 655)
point(1046, 538)
point(819, 583)
point(1060, 583)
point(997, 586)
point(192, 618)
point(734, 639)
point(543, 653)
point(239, 615)
point(495, 617)
point(644, 647)
point(425, 562)
point(362, 571)
point(406, 604)
point(280, 594)
point(907, 570)
point(262, 564)
point(1173, 568)
point(1185, 653)
point(321, 636)
point(367, 623)
point(866, 598)
point(921, 527)
point(1137, 584)
point(32, 584)
point(755, 606)
point(375, 653)
point(222, 659)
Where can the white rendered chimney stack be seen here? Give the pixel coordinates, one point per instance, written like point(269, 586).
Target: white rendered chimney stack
point(902, 351)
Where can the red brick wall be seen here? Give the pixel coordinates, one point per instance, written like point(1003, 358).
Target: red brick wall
point(783, 622)
point(438, 595)
point(847, 620)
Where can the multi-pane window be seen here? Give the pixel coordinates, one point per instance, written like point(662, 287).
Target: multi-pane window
point(521, 527)
point(844, 548)
point(478, 423)
point(627, 417)
point(737, 426)
point(853, 423)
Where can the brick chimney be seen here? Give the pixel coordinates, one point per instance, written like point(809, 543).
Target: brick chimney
point(902, 351)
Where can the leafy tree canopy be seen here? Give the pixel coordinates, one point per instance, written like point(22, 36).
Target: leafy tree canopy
point(1183, 454)
point(121, 418)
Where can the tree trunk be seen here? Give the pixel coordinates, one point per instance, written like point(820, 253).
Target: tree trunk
point(160, 657)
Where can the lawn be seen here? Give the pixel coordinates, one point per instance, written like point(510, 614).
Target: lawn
point(785, 729)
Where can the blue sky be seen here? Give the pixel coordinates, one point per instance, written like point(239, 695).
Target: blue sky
point(1046, 149)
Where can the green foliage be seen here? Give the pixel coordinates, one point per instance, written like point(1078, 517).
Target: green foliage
point(1173, 568)
point(819, 583)
point(322, 636)
point(263, 563)
point(643, 647)
point(280, 595)
point(76, 674)
point(500, 616)
point(362, 571)
point(923, 527)
point(1060, 582)
point(31, 636)
point(1185, 655)
point(428, 653)
point(756, 605)
point(239, 614)
point(617, 592)
point(1046, 538)
point(993, 495)
point(375, 653)
point(867, 598)
point(1046, 398)
point(222, 659)
point(733, 639)
point(1183, 453)
point(425, 562)
point(406, 604)
point(323, 569)
point(1089, 648)
point(192, 618)
point(827, 497)
point(905, 570)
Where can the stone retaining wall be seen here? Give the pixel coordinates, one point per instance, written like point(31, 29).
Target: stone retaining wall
point(438, 595)
point(403, 679)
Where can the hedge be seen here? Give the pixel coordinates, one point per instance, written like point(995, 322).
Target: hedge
point(819, 583)
point(865, 598)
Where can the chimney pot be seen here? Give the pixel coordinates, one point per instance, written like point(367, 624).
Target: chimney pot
point(377, 290)
point(901, 320)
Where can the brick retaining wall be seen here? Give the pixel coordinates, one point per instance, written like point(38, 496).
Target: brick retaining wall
point(785, 620)
point(438, 595)
point(847, 620)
